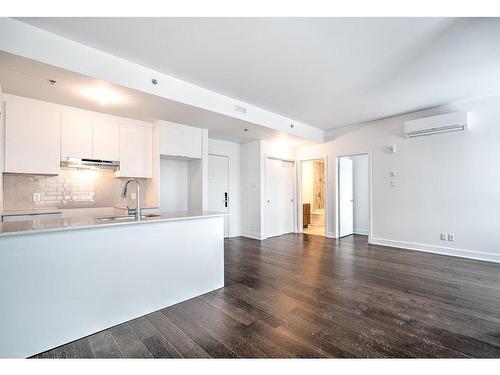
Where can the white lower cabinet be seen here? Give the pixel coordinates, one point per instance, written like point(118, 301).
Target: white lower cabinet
point(32, 136)
point(136, 149)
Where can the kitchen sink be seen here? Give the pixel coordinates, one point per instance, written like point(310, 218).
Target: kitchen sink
point(125, 217)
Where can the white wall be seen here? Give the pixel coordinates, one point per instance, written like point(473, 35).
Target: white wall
point(233, 152)
point(250, 190)
point(307, 181)
point(174, 184)
point(360, 190)
point(446, 183)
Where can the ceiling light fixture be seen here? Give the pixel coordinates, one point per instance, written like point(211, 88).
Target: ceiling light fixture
point(102, 95)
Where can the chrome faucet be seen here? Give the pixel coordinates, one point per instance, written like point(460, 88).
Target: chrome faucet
point(137, 212)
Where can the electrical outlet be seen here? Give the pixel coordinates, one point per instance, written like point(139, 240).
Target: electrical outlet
point(393, 183)
point(444, 236)
point(451, 237)
point(134, 196)
point(36, 197)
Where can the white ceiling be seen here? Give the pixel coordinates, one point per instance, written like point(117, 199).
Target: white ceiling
point(326, 72)
point(29, 78)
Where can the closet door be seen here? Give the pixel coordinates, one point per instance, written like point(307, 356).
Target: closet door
point(280, 190)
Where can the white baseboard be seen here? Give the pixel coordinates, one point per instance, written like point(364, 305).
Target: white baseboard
point(363, 232)
point(255, 236)
point(442, 250)
point(329, 235)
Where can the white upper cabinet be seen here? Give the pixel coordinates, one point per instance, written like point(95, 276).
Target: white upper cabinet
point(170, 139)
point(180, 140)
point(106, 138)
point(76, 133)
point(32, 136)
point(89, 135)
point(136, 149)
point(191, 142)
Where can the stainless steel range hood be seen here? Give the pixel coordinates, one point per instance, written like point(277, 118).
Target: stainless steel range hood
point(90, 163)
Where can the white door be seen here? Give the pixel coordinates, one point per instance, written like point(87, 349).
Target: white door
point(289, 196)
point(280, 189)
point(346, 213)
point(218, 187)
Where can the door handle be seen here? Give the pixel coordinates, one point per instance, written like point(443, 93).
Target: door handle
point(226, 199)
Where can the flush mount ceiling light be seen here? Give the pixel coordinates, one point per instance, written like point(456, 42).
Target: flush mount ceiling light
point(103, 95)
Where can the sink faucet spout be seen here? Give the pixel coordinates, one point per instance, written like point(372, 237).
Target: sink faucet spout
point(137, 211)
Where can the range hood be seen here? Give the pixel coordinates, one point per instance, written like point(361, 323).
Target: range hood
point(90, 163)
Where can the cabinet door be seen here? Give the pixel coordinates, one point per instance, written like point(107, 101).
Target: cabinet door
point(32, 136)
point(76, 133)
point(191, 142)
point(171, 139)
point(106, 138)
point(136, 149)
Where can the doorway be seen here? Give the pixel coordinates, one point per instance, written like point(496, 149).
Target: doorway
point(280, 197)
point(313, 197)
point(218, 187)
point(353, 195)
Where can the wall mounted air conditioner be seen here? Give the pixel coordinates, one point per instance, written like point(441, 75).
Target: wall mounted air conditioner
point(449, 122)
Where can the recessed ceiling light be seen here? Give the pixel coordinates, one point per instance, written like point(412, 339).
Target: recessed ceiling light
point(103, 95)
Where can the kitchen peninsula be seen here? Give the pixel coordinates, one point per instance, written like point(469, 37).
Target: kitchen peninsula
point(66, 278)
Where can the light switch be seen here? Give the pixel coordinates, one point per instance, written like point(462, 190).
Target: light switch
point(444, 236)
point(394, 173)
point(393, 183)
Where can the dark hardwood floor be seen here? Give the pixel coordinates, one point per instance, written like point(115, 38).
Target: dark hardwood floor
point(310, 296)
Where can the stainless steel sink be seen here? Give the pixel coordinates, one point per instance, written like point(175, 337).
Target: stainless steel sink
point(125, 217)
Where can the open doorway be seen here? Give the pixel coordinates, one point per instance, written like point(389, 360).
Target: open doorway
point(353, 195)
point(313, 197)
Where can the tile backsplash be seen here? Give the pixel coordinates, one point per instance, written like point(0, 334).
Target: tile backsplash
point(70, 189)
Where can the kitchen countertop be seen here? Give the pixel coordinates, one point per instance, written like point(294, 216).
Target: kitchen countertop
point(92, 221)
point(28, 211)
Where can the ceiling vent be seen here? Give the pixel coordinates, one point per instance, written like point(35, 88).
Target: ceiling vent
point(239, 108)
point(449, 122)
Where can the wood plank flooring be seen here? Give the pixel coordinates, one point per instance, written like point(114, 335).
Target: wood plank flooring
point(312, 297)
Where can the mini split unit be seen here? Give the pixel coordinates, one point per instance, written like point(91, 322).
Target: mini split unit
point(449, 122)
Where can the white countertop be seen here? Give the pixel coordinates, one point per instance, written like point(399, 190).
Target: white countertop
point(92, 221)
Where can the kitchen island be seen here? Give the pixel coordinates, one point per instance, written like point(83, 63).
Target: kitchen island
point(66, 278)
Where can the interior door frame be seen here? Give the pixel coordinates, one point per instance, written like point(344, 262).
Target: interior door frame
point(370, 192)
point(264, 217)
point(228, 190)
point(326, 203)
